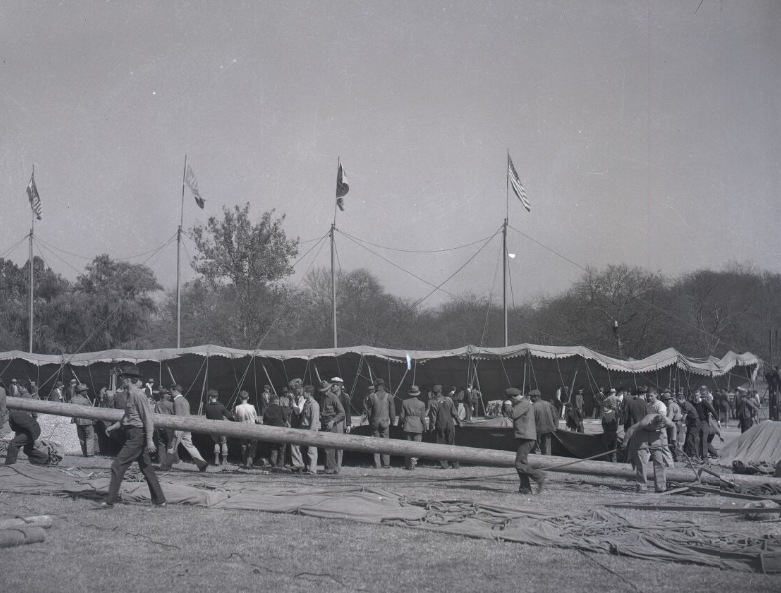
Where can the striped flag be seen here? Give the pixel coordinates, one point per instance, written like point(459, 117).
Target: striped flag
point(515, 181)
point(35, 199)
point(342, 187)
point(192, 183)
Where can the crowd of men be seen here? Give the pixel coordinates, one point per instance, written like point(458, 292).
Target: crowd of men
point(641, 426)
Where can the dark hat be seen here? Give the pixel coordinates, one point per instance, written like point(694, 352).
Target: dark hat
point(667, 395)
point(437, 389)
point(640, 391)
point(177, 387)
point(414, 390)
point(163, 391)
point(512, 392)
point(267, 388)
point(82, 388)
point(324, 386)
point(535, 393)
point(130, 371)
point(59, 384)
point(379, 381)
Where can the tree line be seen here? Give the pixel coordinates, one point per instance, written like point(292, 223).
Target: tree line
point(243, 298)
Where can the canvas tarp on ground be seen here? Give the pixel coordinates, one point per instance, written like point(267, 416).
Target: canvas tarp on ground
point(595, 530)
point(526, 366)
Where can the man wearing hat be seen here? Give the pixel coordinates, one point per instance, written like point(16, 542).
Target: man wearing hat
point(84, 426)
point(331, 420)
point(138, 430)
point(413, 421)
point(380, 412)
point(525, 433)
point(444, 419)
point(265, 399)
point(691, 422)
point(182, 408)
point(15, 389)
point(337, 387)
point(545, 421)
point(745, 409)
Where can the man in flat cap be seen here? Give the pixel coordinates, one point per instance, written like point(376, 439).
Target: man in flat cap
point(84, 426)
point(138, 428)
point(525, 433)
point(647, 441)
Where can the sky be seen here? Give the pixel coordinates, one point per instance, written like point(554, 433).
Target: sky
point(645, 133)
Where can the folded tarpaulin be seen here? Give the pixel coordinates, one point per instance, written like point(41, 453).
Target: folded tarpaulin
point(595, 530)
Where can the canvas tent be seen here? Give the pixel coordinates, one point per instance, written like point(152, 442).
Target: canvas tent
point(526, 366)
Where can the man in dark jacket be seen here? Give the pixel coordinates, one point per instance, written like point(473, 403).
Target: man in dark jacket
point(545, 421)
point(277, 415)
point(692, 422)
point(27, 432)
point(215, 410)
point(332, 416)
point(84, 426)
point(636, 408)
point(413, 422)
point(444, 419)
point(705, 411)
point(525, 436)
point(380, 412)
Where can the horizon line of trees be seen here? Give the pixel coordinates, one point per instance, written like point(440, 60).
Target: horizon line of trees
point(241, 299)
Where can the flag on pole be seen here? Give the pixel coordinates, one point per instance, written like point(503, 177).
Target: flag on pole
point(342, 187)
point(192, 183)
point(515, 181)
point(35, 199)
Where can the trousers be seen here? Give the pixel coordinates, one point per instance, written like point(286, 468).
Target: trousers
point(381, 431)
point(447, 436)
point(333, 457)
point(86, 435)
point(410, 462)
point(526, 471)
point(25, 441)
point(134, 449)
point(640, 461)
point(186, 440)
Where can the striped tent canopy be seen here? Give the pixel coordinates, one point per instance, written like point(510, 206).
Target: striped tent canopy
point(491, 370)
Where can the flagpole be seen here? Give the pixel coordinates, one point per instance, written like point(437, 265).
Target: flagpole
point(178, 264)
point(333, 272)
point(32, 232)
point(504, 247)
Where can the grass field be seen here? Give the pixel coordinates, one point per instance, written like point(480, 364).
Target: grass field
point(183, 548)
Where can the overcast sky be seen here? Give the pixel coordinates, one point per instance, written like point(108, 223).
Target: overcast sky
point(646, 133)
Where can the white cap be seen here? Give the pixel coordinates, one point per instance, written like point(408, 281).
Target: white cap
point(337, 380)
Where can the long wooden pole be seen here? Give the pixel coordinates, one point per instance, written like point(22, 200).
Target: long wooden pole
point(349, 442)
point(32, 284)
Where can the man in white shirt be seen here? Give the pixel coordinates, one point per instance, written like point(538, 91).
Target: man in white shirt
point(245, 412)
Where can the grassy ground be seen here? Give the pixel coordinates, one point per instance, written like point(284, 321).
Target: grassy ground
point(182, 548)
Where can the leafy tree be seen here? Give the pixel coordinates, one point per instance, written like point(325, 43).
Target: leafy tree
point(243, 264)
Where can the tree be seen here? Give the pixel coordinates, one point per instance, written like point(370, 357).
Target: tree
point(243, 265)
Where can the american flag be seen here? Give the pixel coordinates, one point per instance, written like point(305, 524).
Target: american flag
point(192, 183)
point(517, 185)
point(35, 199)
point(342, 187)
